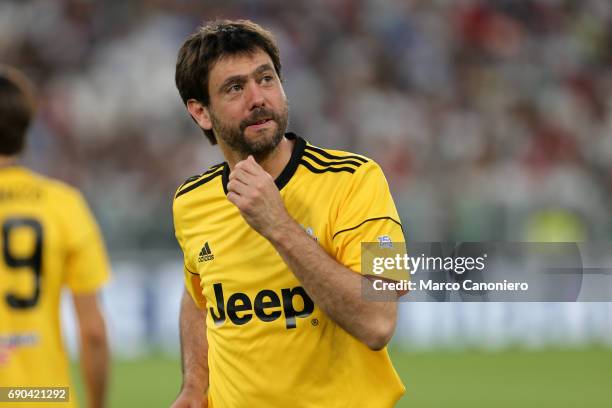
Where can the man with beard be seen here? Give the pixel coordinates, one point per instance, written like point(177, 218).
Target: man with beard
point(273, 313)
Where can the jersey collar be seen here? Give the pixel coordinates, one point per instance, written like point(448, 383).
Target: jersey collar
point(289, 170)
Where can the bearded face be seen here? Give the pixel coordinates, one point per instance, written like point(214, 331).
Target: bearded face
point(257, 135)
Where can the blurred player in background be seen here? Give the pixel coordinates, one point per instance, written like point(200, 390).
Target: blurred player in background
point(48, 240)
point(273, 315)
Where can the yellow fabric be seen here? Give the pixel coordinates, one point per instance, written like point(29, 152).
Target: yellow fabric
point(265, 350)
point(71, 253)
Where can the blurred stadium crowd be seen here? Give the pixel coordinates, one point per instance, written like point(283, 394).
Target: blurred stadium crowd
point(491, 119)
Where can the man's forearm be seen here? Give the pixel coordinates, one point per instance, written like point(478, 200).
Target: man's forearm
point(95, 367)
point(194, 345)
point(94, 348)
point(336, 289)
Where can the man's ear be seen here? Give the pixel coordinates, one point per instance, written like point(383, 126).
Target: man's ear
point(199, 113)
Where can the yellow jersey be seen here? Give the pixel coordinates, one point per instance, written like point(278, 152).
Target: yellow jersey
point(269, 344)
point(48, 240)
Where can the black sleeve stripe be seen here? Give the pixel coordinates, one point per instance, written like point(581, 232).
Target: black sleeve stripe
point(213, 168)
point(328, 169)
point(199, 183)
point(197, 176)
point(330, 163)
point(333, 157)
point(189, 180)
point(368, 220)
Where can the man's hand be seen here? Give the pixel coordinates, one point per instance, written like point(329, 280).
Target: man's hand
point(336, 289)
point(252, 190)
point(190, 398)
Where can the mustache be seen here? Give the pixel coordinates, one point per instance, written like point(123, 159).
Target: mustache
point(258, 115)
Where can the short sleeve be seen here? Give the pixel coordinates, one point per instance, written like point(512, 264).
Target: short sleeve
point(87, 265)
point(190, 275)
point(192, 283)
point(366, 213)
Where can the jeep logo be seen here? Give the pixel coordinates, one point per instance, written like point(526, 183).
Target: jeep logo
point(239, 306)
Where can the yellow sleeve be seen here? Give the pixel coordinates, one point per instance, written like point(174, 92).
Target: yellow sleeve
point(366, 213)
point(87, 265)
point(192, 279)
point(190, 274)
point(192, 283)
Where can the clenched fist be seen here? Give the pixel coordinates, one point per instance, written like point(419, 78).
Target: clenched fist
point(252, 190)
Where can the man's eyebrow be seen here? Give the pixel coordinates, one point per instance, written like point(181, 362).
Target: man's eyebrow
point(263, 68)
point(242, 78)
point(232, 79)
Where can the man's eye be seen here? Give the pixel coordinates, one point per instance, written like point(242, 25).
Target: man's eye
point(267, 79)
point(234, 88)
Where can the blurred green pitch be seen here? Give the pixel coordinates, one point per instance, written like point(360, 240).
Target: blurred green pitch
point(553, 378)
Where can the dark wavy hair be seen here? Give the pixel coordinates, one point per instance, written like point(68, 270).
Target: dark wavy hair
point(17, 107)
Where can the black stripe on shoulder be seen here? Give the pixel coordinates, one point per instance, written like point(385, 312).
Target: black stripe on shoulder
point(334, 157)
point(190, 179)
point(212, 169)
point(368, 220)
point(215, 167)
point(333, 162)
point(327, 169)
point(197, 184)
point(197, 176)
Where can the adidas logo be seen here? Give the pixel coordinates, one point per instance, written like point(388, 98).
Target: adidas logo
point(205, 254)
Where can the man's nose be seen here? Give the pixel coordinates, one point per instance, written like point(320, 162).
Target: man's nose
point(255, 95)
